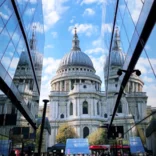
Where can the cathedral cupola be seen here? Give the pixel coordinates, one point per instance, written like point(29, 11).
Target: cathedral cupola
point(75, 57)
point(33, 40)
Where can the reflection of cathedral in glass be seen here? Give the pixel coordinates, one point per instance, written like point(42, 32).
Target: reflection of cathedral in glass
point(24, 79)
point(76, 95)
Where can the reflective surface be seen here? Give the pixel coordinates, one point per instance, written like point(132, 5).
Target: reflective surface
point(20, 70)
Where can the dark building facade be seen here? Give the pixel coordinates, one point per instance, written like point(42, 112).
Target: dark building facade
point(21, 57)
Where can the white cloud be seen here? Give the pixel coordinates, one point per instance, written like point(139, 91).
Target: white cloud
point(45, 78)
point(95, 51)
point(98, 65)
point(106, 27)
point(144, 66)
point(49, 46)
point(88, 12)
point(135, 7)
point(92, 1)
point(54, 34)
point(87, 29)
point(151, 93)
point(30, 12)
point(53, 11)
point(33, 1)
point(72, 20)
point(147, 79)
point(4, 16)
point(50, 65)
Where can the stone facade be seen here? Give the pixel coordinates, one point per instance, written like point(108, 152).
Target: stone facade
point(76, 95)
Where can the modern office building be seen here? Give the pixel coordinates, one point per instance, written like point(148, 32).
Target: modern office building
point(21, 57)
point(76, 96)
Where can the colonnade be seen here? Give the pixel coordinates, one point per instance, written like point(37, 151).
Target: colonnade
point(66, 85)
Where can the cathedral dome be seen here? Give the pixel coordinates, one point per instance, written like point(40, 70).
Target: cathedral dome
point(76, 57)
point(117, 57)
point(37, 57)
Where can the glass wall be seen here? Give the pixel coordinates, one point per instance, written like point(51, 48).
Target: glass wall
point(21, 57)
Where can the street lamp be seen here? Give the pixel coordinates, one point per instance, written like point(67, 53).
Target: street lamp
point(42, 126)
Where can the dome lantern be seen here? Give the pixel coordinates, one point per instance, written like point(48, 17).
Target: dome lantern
point(75, 42)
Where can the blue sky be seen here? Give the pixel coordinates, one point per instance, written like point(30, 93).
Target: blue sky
point(93, 20)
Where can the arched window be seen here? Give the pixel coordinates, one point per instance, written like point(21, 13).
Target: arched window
point(98, 109)
point(62, 116)
point(85, 132)
point(105, 115)
point(85, 107)
point(71, 108)
point(119, 110)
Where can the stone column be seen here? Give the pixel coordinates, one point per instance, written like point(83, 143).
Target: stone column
point(56, 110)
point(128, 87)
point(95, 107)
point(52, 109)
point(65, 85)
point(60, 85)
point(136, 87)
point(69, 85)
point(74, 107)
point(78, 107)
point(91, 106)
point(133, 87)
point(68, 108)
point(100, 108)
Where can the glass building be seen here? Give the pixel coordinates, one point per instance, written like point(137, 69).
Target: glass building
point(21, 57)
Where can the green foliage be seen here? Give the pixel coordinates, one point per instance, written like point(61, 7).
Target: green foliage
point(65, 132)
point(38, 131)
point(141, 134)
point(125, 142)
point(98, 137)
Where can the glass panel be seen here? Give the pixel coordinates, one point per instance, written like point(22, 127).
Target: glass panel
point(11, 25)
point(37, 26)
point(6, 10)
point(1, 24)
point(1, 2)
point(13, 65)
point(6, 59)
point(20, 46)
point(21, 5)
point(4, 40)
point(16, 36)
point(28, 15)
